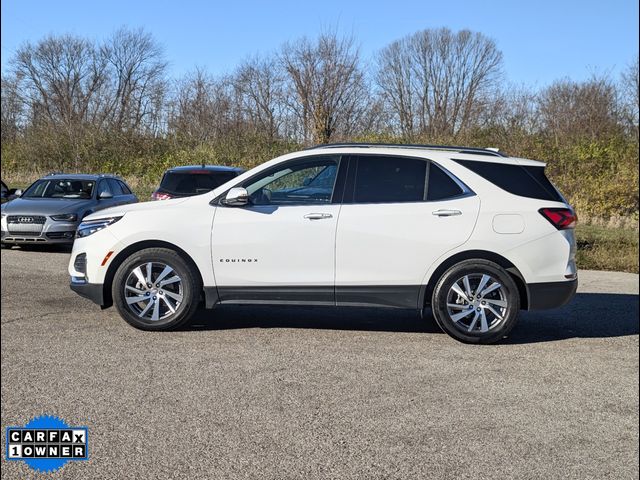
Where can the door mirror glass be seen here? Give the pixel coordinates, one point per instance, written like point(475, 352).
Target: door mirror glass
point(15, 192)
point(105, 195)
point(237, 197)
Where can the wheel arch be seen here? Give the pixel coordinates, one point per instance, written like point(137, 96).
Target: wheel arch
point(128, 251)
point(427, 290)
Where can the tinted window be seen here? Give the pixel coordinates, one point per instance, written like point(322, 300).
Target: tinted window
point(524, 181)
point(193, 182)
point(306, 183)
point(389, 179)
point(115, 186)
point(125, 189)
point(60, 188)
point(441, 185)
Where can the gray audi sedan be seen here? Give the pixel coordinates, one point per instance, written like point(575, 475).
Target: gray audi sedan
point(50, 210)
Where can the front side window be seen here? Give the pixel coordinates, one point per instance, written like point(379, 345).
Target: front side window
point(60, 188)
point(115, 187)
point(301, 183)
point(389, 179)
point(104, 187)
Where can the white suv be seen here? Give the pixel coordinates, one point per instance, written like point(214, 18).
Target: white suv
point(471, 233)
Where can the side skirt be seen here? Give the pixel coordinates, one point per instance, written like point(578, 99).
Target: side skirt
point(393, 296)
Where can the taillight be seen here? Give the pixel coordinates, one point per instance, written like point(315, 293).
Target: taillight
point(561, 218)
point(160, 196)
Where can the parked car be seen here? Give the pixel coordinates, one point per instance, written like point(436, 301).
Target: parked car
point(471, 234)
point(50, 210)
point(193, 180)
point(9, 193)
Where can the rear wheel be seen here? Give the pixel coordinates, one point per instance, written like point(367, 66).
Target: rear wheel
point(476, 301)
point(156, 289)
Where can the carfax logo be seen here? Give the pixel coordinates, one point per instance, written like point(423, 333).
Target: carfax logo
point(47, 443)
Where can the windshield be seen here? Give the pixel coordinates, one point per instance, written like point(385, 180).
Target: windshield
point(60, 188)
point(194, 182)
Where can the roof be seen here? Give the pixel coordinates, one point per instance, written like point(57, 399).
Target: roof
point(80, 176)
point(493, 152)
point(211, 168)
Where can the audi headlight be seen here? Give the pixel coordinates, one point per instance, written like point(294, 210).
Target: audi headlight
point(89, 227)
point(65, 217)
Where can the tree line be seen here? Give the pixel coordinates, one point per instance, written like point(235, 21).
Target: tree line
point(68, 102)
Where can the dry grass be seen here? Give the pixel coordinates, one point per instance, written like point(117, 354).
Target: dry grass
point(606, 248)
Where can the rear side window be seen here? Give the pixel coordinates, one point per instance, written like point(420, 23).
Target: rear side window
point(389, 179)
point(194, 182)
point(525, 181)
point(441, 185)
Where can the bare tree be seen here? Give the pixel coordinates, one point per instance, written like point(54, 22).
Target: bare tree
point(571, 110)
point(204, 108)
point(630, 90)
point(61, 79)
point(327, 84)
point(137, 73)
point(394, 77)
point(11, 110)
point(260, 85)
point(438, 82)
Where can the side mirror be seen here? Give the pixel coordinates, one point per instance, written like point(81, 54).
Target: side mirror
point(236, 197)
point(306, 181)
point(15, 192)
point(105, 195)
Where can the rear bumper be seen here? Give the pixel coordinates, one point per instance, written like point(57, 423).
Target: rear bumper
point(547, 295)
point(92, 291)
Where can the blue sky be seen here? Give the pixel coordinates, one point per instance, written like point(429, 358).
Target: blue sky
point(541, 40)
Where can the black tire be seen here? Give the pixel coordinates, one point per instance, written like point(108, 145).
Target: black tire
point(190, 289)
point(499, 325)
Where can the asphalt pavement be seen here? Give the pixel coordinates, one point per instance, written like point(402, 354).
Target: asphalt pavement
point(305, 393)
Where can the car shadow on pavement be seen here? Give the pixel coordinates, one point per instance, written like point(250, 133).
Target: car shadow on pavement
point(227, 317)
point(588, 315)
point(41, 247)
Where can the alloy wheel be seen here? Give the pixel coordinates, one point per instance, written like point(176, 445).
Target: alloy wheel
point(153, 291)
point(477, 303)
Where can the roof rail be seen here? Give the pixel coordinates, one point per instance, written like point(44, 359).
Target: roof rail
point(494, 152)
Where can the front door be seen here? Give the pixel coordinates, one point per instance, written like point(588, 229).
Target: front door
point(281, 247)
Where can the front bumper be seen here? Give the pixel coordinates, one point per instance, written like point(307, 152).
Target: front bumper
point(547, 295)
point(52, 232)
point(92, 291)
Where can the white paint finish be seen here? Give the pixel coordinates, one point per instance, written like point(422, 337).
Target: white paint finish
point(375, 244)
point(393, 244)
point(289, 248)
point(508, 224)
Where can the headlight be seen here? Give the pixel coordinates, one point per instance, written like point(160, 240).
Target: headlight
point(65, 217)
point(89, 227)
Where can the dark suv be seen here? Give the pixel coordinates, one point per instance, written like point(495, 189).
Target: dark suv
point(193, 180)
point(50, 210)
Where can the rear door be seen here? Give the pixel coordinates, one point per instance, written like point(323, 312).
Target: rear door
point(400, 214)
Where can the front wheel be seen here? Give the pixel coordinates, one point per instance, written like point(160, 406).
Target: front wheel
point(476, 301)
point(156, 289)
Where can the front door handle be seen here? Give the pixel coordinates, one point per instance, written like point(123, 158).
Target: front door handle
point(317, 216)
point(446, 213)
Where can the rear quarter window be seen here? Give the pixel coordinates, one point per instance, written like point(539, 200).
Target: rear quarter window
point(525, 181)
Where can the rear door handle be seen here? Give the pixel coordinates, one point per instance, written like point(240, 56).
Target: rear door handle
point(446, 213)
point(317, 216)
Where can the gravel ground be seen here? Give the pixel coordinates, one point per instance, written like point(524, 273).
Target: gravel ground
point(308, 393)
